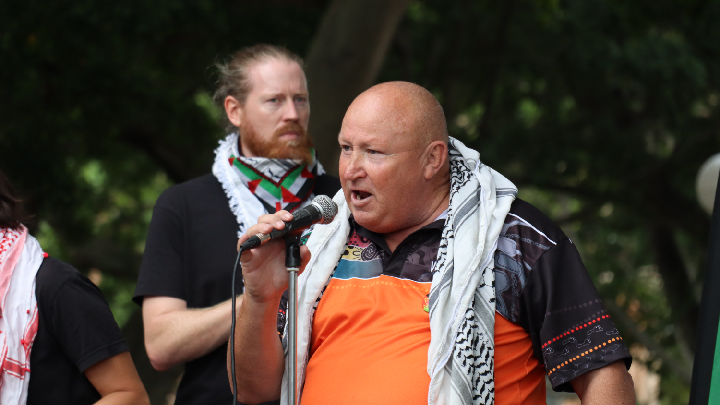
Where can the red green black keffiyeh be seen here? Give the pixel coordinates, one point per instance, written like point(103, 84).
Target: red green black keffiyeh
point(256, 186)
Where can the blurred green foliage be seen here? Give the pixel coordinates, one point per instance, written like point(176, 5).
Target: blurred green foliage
point(106, 105)
point(601, 111)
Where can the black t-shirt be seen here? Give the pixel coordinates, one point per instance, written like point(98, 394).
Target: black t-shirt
point(75, 331)
point(189, 254)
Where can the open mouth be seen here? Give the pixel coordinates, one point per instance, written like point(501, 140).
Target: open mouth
point(360, 195)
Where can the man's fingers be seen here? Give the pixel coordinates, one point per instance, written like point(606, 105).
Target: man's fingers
point(266, 224)
point(281, 215)
point(278, 219)
point(284, 215)
point(246, 256)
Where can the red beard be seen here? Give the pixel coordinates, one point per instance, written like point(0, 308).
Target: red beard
point(298, 149)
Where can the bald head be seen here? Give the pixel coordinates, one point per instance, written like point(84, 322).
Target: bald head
point(405, 108)
point(394, 159)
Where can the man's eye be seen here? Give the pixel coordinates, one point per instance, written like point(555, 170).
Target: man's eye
point(345, 148)
point(300, 99)
point(273, 100)
point(373, 152)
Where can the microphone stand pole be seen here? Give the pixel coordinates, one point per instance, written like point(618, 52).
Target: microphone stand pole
point(292, 263)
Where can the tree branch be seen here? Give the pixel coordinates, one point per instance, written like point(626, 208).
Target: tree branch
point(344, 60)
point(161, 154)
point(589, 210)
point(107, 256)
point(652, 203)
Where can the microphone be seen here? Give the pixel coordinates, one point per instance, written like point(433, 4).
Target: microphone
point(321, 210)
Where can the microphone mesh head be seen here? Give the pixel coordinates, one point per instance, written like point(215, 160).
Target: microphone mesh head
point(327, 208)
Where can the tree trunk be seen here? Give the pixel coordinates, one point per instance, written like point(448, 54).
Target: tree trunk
point(159, 385)
point(344, 60)
point(678, 289)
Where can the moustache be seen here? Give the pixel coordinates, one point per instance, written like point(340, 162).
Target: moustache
point(291, 127)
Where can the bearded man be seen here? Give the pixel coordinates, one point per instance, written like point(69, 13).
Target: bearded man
point(433, 284)
point(266, 166)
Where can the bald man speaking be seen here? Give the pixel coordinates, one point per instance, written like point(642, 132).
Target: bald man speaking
point(434, 284)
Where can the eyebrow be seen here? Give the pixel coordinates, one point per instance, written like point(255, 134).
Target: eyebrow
point(361, 145)
point(280, 93)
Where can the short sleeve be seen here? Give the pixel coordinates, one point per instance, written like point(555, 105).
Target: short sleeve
point(161, 271)
point(83, 324)
point(568, 324)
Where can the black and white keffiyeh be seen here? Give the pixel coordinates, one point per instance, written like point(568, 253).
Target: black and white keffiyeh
point(462, 295)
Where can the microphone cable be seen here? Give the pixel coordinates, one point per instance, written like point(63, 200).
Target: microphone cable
point(232, 327)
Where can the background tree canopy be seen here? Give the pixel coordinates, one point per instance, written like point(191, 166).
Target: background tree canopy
point(600, 111)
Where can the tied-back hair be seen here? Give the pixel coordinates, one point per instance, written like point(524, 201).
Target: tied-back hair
point(11, 208)
point(234, 75)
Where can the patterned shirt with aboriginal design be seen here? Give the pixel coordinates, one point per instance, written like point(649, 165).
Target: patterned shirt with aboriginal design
point(371, 328)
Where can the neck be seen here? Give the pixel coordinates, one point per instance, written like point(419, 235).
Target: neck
point(244, 151)
point(438, 205)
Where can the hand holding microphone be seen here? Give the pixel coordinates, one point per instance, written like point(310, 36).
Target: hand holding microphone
point(265, 278)
point(321, 210)
point(263, 269)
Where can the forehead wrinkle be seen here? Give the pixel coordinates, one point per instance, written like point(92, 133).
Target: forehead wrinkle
point(368, 139)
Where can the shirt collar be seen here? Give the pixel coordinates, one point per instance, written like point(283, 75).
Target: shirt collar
point(379, 239)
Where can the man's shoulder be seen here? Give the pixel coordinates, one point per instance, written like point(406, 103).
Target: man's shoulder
point(527, 221)
point(53, 275)
point(207, 182)
point(54, 272)
point(526, 236)
point(201, 189)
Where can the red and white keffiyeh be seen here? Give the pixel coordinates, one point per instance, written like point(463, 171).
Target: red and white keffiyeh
point(20, 259)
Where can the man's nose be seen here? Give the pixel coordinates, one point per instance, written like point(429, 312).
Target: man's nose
point(353, 166)
point(290, 112)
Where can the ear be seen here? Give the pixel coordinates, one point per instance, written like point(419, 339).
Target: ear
point(234, 110)
point(436, 155)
